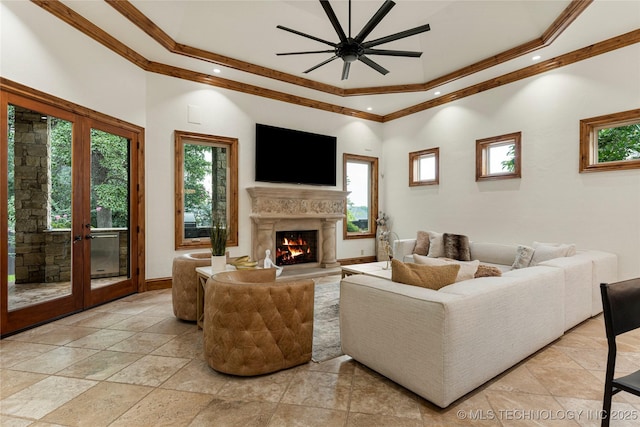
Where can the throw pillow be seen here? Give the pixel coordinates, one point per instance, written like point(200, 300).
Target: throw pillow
point(545, 253)
point(436, 245)
point(467, 268)
point(422, 243)
point(425, 276)
point(524, 254)
point(485, 270)
point(570, 248)
point(456, 246)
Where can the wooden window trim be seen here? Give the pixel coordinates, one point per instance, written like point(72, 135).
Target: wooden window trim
point(588, 141)
point(232, 221)
point(483, 144)
point(413, 159)
point(373, 209)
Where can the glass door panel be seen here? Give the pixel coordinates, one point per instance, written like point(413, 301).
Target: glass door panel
point(109, 208)
point(109, 217)
point(39, 207)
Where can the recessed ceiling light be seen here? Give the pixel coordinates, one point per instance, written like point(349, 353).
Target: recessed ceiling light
point(216, 70)
point(369, 108)
point(436, 93)
point(535, 58)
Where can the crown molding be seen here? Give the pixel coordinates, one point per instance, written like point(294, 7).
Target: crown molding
point(77, 21)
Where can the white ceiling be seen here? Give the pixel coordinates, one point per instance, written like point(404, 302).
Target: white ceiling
point(462, 33)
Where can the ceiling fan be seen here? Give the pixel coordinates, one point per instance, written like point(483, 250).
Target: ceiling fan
point(356, 49)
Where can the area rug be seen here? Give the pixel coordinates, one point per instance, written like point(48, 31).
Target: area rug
point(326, 321)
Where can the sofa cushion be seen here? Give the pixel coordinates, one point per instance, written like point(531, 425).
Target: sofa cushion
point(456, 246)
point(426, 276)
point(545, 253)
point(422, 243)
point(524, 255)
point(467, 268)
point(570, 249)
point(493, 253)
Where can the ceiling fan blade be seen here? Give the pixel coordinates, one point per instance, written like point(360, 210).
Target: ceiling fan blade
point(375, 20)
point(397, 36)
point(334, 19)
point(379, 68)
point(310, 51)
point(320, 64)
point(407, 53)
point(345, 70)
point(306, 35)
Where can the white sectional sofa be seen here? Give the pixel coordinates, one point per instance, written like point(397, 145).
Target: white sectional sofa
point(443, 344)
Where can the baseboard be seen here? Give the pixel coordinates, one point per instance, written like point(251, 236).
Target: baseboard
point(156, 284)
point(359, 260)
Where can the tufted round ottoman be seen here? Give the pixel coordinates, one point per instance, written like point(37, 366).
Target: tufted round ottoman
point(184, 288)
point(254, 325)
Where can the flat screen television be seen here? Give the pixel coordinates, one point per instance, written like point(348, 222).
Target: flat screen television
point(294, 157)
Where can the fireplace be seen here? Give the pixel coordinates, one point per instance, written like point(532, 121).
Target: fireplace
point(301, 215)
point(296, 247)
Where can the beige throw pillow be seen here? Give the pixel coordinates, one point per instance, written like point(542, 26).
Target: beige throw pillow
point(422, 243)
point(425, 276)
point(436, 244)
point(467, 268)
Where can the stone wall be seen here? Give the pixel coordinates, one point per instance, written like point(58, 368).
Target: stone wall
point(31, 178)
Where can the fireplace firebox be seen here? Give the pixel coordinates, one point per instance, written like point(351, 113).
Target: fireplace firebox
point(296, 247)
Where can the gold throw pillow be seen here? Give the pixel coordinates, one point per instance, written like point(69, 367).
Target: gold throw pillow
point(426, 276)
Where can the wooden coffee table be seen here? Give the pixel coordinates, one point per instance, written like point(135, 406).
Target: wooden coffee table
point(377, 269)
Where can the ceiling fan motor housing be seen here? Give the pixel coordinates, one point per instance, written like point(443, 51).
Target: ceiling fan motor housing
point(350, 50)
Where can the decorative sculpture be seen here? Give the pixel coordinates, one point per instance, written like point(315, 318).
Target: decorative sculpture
point(268, 263)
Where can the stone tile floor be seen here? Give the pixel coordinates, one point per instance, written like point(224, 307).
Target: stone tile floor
point(131, 363)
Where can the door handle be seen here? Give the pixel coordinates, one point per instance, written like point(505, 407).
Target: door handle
point(77, 238)
point(89, 236)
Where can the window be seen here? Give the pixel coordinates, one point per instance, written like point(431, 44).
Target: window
point(206, 187)
point(424, 167)
point(360, 177)
point(498, 157)
point(610, 142)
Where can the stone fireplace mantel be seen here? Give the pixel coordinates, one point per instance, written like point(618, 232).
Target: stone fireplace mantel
point(289, 208)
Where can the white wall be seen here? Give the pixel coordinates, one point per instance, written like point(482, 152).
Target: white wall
point(42, 52)
point(552, 202)
point(231, 114)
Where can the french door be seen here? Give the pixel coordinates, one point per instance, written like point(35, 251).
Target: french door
point(70, 218)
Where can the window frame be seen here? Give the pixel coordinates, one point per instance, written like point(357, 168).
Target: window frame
point(589, 140)
point(182, 138)
point(373, 195)
point(414, 158)
point(482, 147)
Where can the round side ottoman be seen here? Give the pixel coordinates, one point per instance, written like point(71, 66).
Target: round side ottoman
point(184, 288)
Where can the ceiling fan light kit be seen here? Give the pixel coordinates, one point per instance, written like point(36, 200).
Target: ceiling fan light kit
point(351, 49)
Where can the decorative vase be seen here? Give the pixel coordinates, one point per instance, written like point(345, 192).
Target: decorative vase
point(218, 263)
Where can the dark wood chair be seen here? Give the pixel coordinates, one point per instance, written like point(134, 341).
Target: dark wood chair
point(621, 307)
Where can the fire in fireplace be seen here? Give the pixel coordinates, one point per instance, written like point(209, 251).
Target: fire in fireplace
point(296, 247)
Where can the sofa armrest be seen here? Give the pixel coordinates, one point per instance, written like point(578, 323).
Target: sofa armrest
point(605, 270)
point(403, 248)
